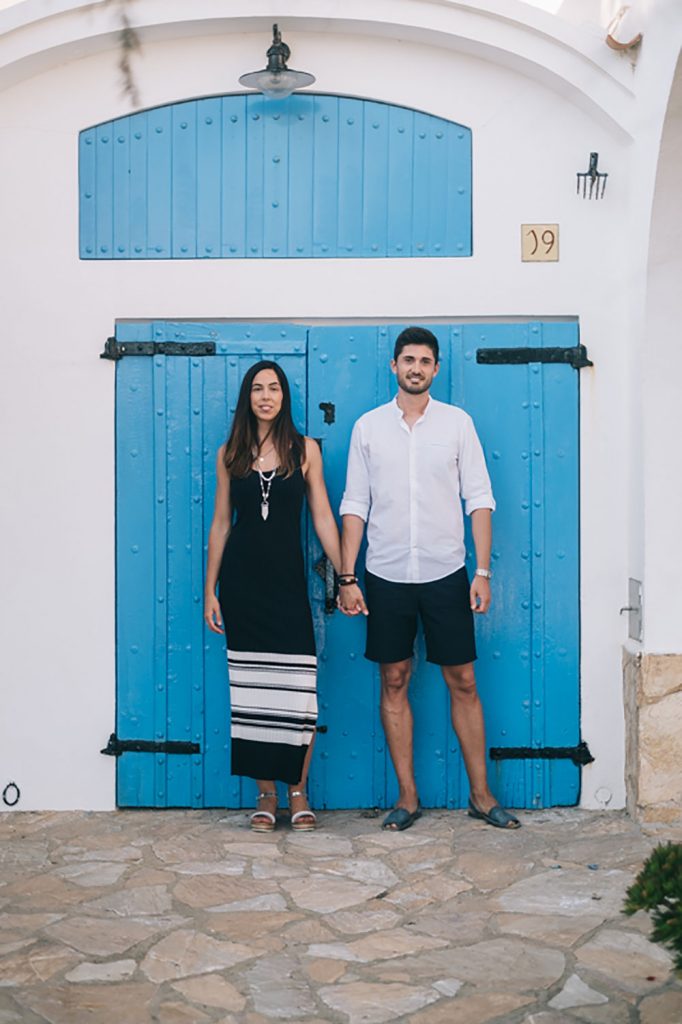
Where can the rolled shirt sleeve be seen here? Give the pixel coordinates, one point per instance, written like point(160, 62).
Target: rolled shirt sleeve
point(475, 487)
point(357, 495)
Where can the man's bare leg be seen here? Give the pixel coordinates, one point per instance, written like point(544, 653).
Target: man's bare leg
point(396, 718)
point(467, 721)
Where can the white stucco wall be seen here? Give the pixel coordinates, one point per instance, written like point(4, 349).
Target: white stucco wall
point(536, 110)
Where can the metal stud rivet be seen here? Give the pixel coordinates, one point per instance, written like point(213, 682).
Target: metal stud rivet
point(183, 124)
point(233, 118)
point(209, 120)
point(325, 118)
point(159, 129)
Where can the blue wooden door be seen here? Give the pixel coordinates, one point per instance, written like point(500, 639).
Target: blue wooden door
point(527, 418)
point(172, 414)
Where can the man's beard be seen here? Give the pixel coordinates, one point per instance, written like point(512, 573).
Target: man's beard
point(414, 388)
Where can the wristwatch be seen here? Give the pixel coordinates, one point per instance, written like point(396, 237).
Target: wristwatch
point(485, 573)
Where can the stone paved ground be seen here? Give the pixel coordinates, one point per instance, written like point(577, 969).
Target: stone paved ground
point(185, 917)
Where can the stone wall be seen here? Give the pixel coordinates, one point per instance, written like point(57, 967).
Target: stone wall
point(653, 720)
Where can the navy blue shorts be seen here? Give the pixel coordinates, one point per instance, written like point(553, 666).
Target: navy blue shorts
point(443, 606)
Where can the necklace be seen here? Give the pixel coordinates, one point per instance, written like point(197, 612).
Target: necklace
point(261, 458)
point(265, 480)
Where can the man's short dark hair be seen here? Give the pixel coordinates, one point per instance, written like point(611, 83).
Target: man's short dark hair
point(416, 336)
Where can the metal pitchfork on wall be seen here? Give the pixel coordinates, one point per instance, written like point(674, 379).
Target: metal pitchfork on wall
point(596, 178)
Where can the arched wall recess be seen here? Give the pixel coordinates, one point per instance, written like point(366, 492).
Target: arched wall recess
point(310, 176)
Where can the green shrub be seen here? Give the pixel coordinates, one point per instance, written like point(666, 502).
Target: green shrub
point(658, 889)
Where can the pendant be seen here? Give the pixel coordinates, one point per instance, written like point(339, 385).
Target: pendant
point(264, 509)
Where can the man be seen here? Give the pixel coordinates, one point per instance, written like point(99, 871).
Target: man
point(411, 464)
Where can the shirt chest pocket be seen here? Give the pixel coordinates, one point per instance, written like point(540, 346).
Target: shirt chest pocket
point(439, 457)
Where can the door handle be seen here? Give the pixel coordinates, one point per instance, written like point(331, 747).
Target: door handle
point(325, 570)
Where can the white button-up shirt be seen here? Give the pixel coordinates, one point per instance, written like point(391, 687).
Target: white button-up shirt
point(408, 485)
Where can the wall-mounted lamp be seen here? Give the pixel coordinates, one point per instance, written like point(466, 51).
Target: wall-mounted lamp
point(595, 178)
point(277, 81)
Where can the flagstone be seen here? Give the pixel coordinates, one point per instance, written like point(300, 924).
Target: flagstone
point(110, 854)
point(571, 892)
point(576, 993)
point(239, 925)
point(490, 871)
point(627, 958)
point(44, 892)
point(16, 944)
point(324, 895)
point(396, 841)
point(38, 963)
point(213, 890)
point(9, 1017)
point(26, 922)
point(271, 868)
point(661, 1009)
point(101, 937)
point(609, 1013)
point(319, 844)
point(148, 876)
point(257, 904)
point(371, 1003)
point(394, 943)
point(187, 952)
point(508, 964)
point(557, 930)
point(358, 921)
point(622, 850)
point(476, 1009)
point(226, 866)
point(87, 1004)
point(325, 972)
point(147, 900)
point(25, 853)
point(371, 871)
point(212, 990)
point(548, 1017)
point(92, 875)
point(179, 1013)
point(113, 970)
point(310, 930)
point(448, 986)
point(180, 848)
point(423, 857)
point(255, 849)
point(456, 926)
point(430, 889)
point(277, 991)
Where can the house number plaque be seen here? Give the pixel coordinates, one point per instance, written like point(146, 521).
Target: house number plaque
point(540, 243)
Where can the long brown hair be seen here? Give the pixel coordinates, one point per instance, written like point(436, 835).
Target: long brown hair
point(242, 442)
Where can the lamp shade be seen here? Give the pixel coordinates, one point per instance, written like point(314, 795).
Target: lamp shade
point(277, 81)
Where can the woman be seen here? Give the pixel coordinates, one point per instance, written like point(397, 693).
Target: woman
point(263, 472)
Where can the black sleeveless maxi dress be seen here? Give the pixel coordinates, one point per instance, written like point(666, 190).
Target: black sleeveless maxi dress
point(269, 630)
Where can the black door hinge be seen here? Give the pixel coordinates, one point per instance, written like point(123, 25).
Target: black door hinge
point(115, 747)
point(579, 754)
point(115, 350)
point(575, 357)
